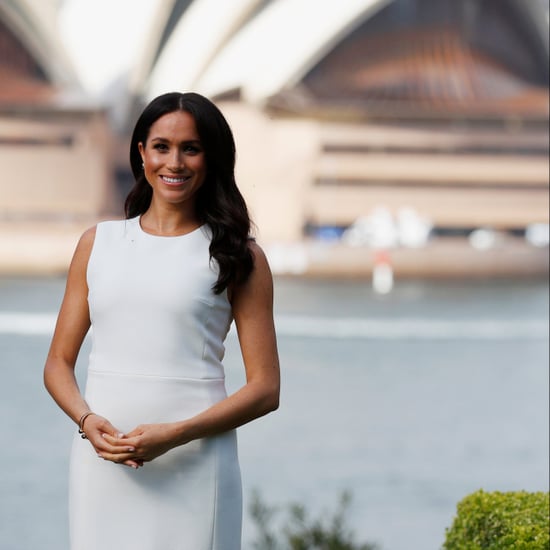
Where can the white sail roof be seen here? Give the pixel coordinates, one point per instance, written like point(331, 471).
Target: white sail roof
point(259, 47)
point(34, 23)
point(216, 48)
point(285, 41)
point(200, 34)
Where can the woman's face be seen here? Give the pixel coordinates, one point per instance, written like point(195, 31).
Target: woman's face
point(174, 159)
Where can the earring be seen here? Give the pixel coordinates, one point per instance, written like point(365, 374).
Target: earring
point(143, 166)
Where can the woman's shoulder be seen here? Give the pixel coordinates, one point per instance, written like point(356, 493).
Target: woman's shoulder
point(258, 255)
point(107, 229)
point(261, 272)
point(116, 224)
point(103, 232)
point(88, 238)
point(258, 287)
point(83, 250)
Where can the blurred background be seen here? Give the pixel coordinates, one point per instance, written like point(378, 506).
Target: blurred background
point(394, 156)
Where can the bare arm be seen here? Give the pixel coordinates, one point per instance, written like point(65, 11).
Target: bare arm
point(72, 325)
point(252, 305)
point(253, 313)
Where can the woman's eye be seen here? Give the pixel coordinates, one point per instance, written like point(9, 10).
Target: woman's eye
point(160, 147)
point(191, 149)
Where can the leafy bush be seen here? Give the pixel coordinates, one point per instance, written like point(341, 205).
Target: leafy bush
point(501, 521)
point(301, 533)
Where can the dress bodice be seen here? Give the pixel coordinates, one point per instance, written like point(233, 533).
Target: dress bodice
point(151, 303)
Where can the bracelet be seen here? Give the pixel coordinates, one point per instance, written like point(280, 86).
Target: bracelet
point(81, 424)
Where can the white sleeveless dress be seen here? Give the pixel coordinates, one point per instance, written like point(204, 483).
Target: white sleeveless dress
point(157, 333)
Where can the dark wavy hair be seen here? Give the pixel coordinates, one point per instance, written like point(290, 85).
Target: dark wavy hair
point(219, 203)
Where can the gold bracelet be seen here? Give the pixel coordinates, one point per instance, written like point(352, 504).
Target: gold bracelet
point(81, 424)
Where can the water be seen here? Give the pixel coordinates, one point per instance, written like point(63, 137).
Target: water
point(411, 401)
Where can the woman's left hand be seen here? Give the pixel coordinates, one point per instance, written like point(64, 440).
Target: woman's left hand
point(148, 440)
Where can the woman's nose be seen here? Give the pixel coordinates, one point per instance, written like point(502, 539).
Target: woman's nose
point(175, 162)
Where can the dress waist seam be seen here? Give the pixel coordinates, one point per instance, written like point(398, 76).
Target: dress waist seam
point(160, 377)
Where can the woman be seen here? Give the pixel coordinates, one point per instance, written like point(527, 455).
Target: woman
point(160, 290)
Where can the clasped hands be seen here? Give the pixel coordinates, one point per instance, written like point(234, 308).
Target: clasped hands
point(143, 444)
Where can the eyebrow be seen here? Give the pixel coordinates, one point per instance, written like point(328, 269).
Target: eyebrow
point(168, 141)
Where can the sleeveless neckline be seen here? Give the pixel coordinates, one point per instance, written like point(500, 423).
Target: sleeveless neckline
point(137, 222)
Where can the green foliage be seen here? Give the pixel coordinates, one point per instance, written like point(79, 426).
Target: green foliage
point(302, 533)
point(501, 521)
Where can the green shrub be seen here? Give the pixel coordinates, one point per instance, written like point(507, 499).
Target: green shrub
point(301, 532)
point(501, 521)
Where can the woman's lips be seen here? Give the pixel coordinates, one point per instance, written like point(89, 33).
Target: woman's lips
point(174, 181)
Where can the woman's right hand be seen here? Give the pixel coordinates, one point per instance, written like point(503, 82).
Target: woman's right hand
point(95, 427)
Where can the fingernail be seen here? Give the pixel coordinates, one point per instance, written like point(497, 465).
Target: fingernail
point(130, 449)
point(99, 456)
point(119, 435)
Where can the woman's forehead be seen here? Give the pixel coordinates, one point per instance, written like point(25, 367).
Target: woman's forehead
point(177, 125)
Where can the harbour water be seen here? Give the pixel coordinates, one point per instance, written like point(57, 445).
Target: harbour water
point(410, 401)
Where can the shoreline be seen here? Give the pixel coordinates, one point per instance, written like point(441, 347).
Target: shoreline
point(45, 248)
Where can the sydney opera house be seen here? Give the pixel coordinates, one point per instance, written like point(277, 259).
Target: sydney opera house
point(432, 114)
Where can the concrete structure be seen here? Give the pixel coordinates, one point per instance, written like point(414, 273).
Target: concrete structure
point(263, 47)
point(440, 106)
point(55, 147)
point(56, 164)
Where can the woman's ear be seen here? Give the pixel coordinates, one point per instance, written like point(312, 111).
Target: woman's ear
point(141, 150)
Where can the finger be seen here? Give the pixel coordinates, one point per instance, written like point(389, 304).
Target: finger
point(119, 440)
point(102, 424)
point(98, 426)
point(105, 427)
point(125, 443)
point(134, 433)
point(133, 463)
point(114, 446)
point(112, 431)
point(126, 459)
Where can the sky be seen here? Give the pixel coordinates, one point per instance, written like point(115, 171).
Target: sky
point(103, 37)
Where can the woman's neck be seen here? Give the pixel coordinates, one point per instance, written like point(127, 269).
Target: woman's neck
point(168, 221)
